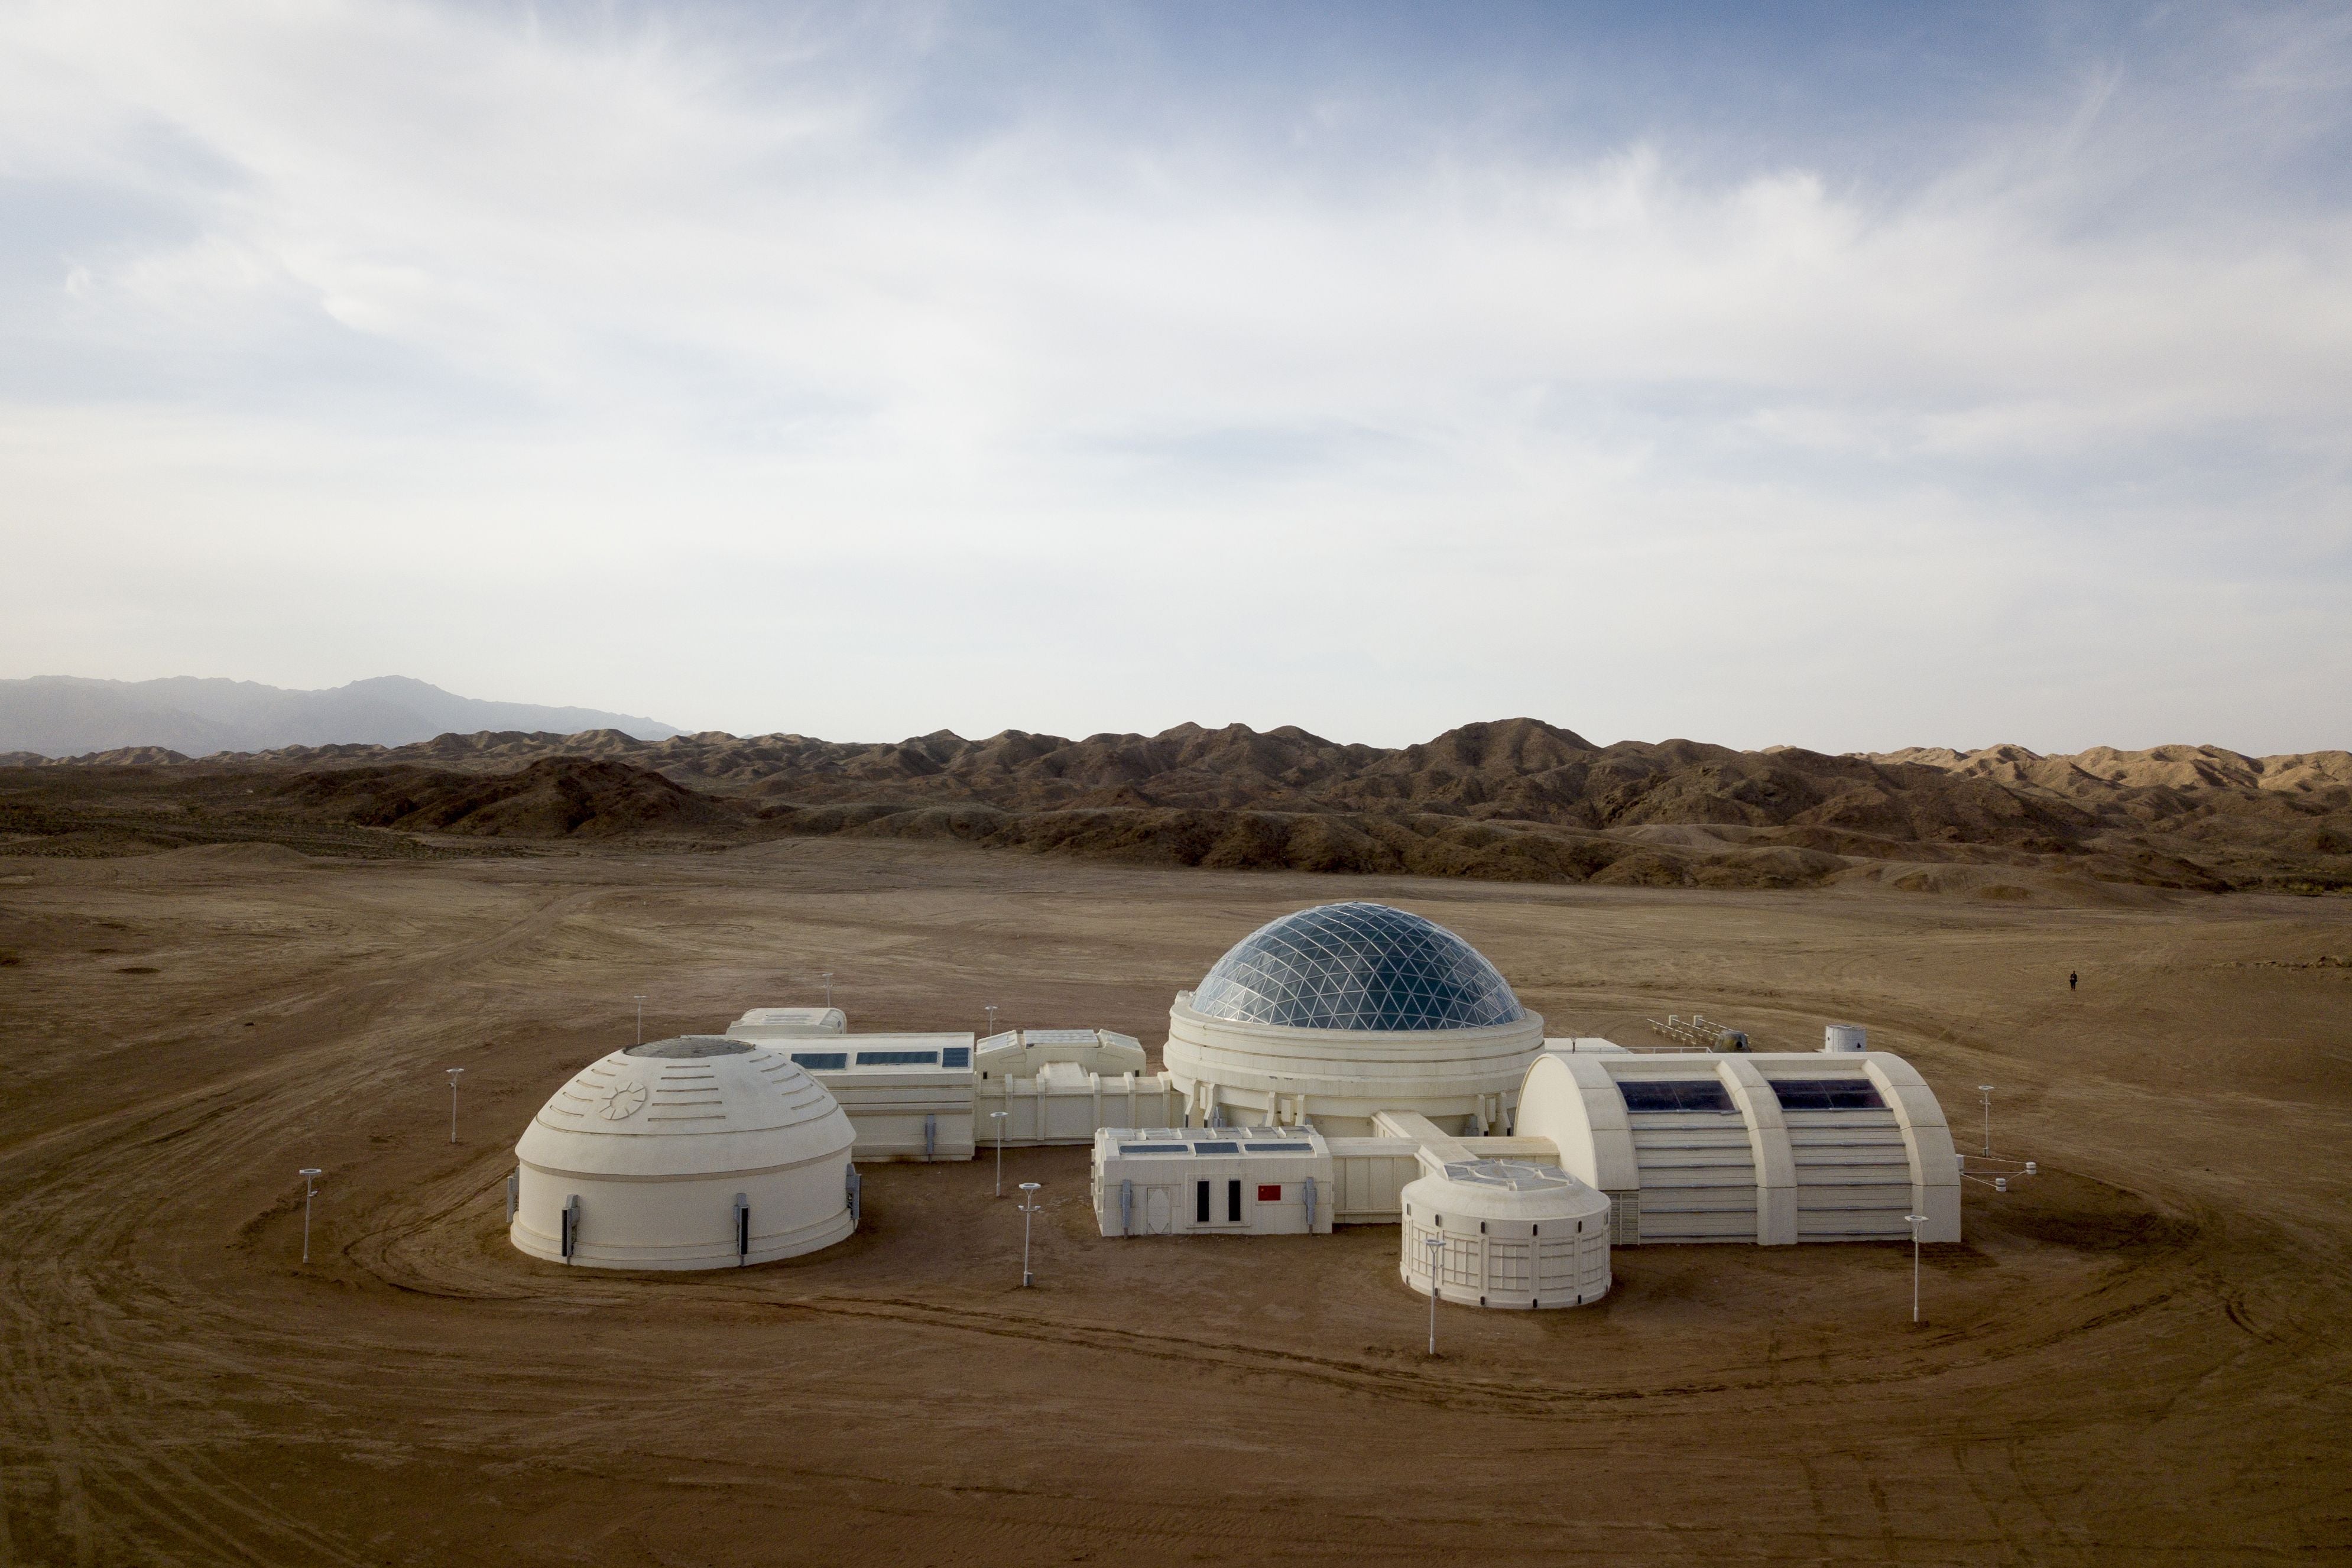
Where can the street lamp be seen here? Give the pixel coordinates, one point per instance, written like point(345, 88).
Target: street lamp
point(1436, 1244)
point(990, 1011)
point(1916, 1221)
point(454, 1073)
point(310, 1175)
point(828, 978)
point(1986, 1089)
point(998, 1117)
point(641, 1021)
point(1029, 1210)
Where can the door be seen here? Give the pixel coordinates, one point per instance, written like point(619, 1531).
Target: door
point(1159, 1210)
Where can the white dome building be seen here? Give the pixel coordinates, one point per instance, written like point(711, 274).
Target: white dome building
point(1508, 1234)
point(1332, 1014)
point(696, 1153)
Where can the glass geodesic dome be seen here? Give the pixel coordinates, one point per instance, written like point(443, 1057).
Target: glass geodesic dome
point(1357, 967)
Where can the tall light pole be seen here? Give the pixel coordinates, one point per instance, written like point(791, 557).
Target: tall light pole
point(990, 1011)
point(1029, 1207)
point(1916, 1221)
point(1436, 1244)
point(310, 1175)
point(641, 1021)
point(998, 1117)
point(1986, 1089)
point(827, 978)
point(454, 1073)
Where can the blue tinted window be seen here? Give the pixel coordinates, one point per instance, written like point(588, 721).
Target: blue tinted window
point(1357, 965)
point(1827, 1094)
point(822, 1060)
point(899, 1059)
point(1643, 1095)
point(1216, 1148)
point(956, 1056)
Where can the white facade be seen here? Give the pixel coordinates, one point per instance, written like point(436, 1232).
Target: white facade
point(1267, 1181)
point(1371, 1175)
point(1024, 1052)
point(909, 1096)
point(697, 1153)
point(1256, 1074)
point(1508, 1234)
point(1063, 1102)
point(789, 1023)
point(1770, 1148)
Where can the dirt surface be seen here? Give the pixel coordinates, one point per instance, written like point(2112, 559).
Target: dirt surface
point(2138, 1357)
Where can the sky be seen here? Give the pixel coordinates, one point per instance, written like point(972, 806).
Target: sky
point(1842, 376)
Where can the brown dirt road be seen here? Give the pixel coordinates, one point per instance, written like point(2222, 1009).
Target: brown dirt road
point(2139, 1357)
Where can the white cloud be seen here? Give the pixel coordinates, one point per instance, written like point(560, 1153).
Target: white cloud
point(655, 367)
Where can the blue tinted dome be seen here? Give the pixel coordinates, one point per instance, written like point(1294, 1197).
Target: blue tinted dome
point(1356, 966)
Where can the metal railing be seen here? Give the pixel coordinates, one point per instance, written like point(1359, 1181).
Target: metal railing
point(1695, 1033)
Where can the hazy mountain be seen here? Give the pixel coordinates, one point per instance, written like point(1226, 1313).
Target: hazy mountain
point(65, 716)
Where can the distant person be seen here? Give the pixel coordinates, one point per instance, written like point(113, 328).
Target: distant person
point(2073, 981)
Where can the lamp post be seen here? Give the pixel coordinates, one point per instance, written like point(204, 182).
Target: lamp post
point(1029, 1207)
point(454, 1074)
point(1916, 1221)
point(1436, 1244)
point(310, 1175)
point(828, 978)
point(990, 1011)
point(998, 1117)
point(1986, 1089)
point(641, 1021)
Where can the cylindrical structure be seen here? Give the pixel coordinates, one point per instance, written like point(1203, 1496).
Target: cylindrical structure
point(639, 1161)
point(1515, 1235)
point(1846, 1036)
point(1332, 1014)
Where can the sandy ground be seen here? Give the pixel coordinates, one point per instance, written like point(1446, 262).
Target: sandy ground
point(2139, 1357)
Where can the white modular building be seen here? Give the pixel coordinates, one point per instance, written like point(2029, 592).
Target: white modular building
point(1334, 1014)
point(789, 1023)
point(1063, 1086)
point(932, 1096)
point(909, 1096)
point(696, 1153)
point(1770, 1148)
point(1245, 1181)
point(1504, 1233)
point(1024, 1053)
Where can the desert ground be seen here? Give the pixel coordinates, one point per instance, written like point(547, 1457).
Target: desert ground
point(2137, 1356)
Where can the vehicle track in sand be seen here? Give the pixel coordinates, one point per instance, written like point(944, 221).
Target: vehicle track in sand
point(2132, 1359)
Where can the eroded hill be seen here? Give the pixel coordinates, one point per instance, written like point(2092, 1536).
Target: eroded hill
point(1517, 799)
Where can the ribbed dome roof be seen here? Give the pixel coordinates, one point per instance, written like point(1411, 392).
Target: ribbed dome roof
point(695, 1105)
point(1357, 967)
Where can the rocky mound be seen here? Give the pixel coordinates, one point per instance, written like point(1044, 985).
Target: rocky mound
point(556, 798)
point(1515, 799)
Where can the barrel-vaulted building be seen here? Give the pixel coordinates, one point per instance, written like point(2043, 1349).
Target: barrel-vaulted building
point(1769, 1148)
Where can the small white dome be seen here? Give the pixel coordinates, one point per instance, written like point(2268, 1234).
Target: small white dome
point(652, 1149)
point(701, 1104)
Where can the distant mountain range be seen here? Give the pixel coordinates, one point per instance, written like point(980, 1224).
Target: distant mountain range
point(66, 716)
point(1515, 801)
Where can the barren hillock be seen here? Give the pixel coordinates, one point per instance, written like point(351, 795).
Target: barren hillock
point(1515, 799)
point(561, 797)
